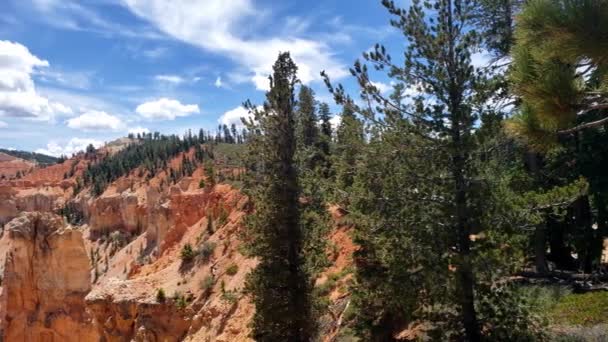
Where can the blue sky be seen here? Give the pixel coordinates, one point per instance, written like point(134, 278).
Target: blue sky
point(76, 72)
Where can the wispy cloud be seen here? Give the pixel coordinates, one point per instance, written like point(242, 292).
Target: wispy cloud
point(74, 15)
point(213, 25)
point(69, 79)
point(174, 79)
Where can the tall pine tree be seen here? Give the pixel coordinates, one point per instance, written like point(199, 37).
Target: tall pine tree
point(423, 193)
point(280, 285)
point(325, 140)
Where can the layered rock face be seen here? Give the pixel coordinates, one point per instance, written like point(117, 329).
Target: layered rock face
point(45, 278)
point(9, 165)
point(8, 205)
point(100, 281)
point(16, 199)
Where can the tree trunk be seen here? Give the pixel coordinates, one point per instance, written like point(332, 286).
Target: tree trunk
point(540, 258)
point(560, 253)
point(584, 219)
point(466, 279)
point(540, 233)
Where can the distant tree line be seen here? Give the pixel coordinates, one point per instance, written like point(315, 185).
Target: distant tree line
point(39, 158)
point(152, 152)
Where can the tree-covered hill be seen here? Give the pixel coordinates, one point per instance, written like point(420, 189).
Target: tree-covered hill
point(39, 158)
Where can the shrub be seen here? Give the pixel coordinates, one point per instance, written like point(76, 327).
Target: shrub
point(209, 225)
point(181, 302)
point(187, 253)
point(232, 270)
point(160, 296)
point(201, 184)
point(207, 283)
point(206, 250)
point(223, 218)
point(229, 297)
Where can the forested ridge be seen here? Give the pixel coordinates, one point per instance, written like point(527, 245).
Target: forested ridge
point(472, 190)
point(39, 158)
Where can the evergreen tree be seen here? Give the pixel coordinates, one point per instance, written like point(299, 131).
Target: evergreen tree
point(349, 143)
point(426, 184)
point(306, 119)
point(559, 69)
point(559, 73)
point(280, 285)
point(325, 139)
point(234, 133)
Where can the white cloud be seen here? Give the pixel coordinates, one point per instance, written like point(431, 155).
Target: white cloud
point(156, 53)
point(75, 145)
point(213, 24)
point(3, 124)
point(174, 79)
point(70, 79)
point(77, 16)
point(218, 82)
point(18, 95)
point(234, 116)
point(166, 109)
point(382, 87)
point(335, 121)
point(94, 120)
point(139, 130)
point(481, 59)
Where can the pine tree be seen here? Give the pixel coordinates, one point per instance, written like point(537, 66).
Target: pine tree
point(559, 74)
point(349, 143)
point(325, 139)
point(425, 185)
point(306, 119)
point(559, 69)
point(280, 285)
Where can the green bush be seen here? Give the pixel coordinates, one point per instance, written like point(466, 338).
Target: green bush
point(180, 301)
point(206, 250)
point(201, 184)
point(232, 270)
point(187, 253)
point(160, 296)
point(223, 218)
point(229, 297)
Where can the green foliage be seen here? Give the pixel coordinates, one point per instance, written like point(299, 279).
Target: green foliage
point(210, 226)
point(559, 67)
point(179, 300)
point(306, 119)
point(206, 250)
point(325, 140)
point(349, 144)
point(232, 269)
point(424, 179)
point(210, 173)
point(151, 154)
point(279, 285)
point(160, 296)
point(187, 254)
point(73, 214)
point(581, 309)
point(39, 158)
point(201, 184)
point(229, 297)
point(222, 218)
